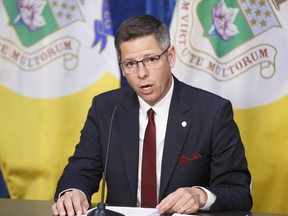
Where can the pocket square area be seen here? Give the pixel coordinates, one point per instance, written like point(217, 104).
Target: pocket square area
point(184, 159)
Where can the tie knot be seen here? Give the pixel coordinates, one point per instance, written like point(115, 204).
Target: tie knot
point(150, 113)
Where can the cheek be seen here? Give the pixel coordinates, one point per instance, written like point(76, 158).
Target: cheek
point(162, 79)
point(132, 80)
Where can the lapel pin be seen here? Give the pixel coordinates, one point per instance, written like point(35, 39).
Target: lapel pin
point(184, 124)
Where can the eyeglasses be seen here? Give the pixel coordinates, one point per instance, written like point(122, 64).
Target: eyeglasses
point(150, 62)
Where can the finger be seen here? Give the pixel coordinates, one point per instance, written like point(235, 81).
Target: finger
point(171, 203)
point(80, 204)
point(59, 207)
point(69, 206)
point(186, 209)
point(55, 210)
point(164, 205)
point(181, 201)
point(181, 210)
point(191, 202)
point(77, 206)
point(85, 206)
point(190, 210)
point(180, 207)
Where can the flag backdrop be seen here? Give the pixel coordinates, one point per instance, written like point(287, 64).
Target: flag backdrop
point(239, 50)
point(54, 57)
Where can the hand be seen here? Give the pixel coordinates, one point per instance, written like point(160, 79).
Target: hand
point(71, 203)
point(183, 201)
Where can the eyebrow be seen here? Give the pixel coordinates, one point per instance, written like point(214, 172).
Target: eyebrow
point(145, 56)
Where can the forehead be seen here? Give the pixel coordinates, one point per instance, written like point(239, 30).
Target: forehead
point(139, 47)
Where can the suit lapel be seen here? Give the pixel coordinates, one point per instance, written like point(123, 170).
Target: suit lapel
point(179, 122)
point(129, 140)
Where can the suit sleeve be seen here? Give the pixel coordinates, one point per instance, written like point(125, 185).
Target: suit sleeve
point(230, 178)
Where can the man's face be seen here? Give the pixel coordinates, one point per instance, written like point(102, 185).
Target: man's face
point(150, 84)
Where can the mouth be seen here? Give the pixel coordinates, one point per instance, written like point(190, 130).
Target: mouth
point(146, 89)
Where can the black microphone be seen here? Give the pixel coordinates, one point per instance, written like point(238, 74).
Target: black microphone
point(101, 208)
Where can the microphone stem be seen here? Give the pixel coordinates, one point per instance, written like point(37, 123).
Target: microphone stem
point(107, 155)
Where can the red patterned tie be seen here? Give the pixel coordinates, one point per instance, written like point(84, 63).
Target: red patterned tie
point(148, 181)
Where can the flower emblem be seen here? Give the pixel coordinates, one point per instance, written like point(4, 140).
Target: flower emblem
point(29, 14)
point(223, 21)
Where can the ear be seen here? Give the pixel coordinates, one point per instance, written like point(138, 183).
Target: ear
point(172, 56)
point(123, 73)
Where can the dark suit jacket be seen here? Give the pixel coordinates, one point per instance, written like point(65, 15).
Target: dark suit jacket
point(208, 152)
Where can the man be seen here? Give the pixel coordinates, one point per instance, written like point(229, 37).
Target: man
point(200, 162)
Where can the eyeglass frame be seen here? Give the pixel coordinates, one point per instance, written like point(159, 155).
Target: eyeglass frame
point(142, 61)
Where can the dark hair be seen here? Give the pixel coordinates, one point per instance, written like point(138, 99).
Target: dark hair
point(141, 26)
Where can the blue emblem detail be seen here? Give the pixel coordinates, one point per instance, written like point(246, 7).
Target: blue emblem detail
point(103, 27)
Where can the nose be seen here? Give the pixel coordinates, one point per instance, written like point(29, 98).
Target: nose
point(142, 70)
